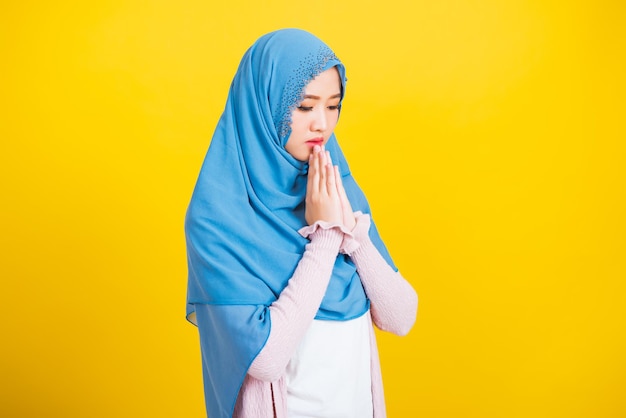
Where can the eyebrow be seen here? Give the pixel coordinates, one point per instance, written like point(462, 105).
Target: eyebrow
point(311, 96)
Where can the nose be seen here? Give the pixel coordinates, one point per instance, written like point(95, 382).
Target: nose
point(319, 121)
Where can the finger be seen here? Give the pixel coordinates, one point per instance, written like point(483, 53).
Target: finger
point(345, 202)
point(339, 182)
point(323, 172)
point(314, 173)
point(331, 185)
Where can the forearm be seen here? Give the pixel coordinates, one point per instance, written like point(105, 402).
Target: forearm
point(393, 299)
point(292, 313)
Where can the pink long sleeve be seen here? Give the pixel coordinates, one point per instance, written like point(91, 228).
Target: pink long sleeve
point(393, 299)
point(297, 305)
point(393, 308)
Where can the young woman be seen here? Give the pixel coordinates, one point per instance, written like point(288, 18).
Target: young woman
point(286, 271)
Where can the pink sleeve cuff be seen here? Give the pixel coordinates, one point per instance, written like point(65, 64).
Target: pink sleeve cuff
point(351, 239)
point(309, 230)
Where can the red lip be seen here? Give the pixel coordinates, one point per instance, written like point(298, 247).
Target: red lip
point(315, 141)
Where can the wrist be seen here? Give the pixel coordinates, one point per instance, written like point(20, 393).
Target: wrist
point(323, 233)
point(361, 229)
point(329, 239)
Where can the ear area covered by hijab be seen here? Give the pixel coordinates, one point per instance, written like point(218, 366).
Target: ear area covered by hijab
point(242, 222)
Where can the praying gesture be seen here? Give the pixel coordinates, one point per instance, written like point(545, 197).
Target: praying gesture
point(326, 198)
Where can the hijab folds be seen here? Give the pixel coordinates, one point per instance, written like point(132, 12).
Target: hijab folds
point(242, 222)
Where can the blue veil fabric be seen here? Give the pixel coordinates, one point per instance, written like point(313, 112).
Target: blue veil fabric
point(247, 207)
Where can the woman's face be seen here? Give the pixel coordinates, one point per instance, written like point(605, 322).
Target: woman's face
point(315, 118)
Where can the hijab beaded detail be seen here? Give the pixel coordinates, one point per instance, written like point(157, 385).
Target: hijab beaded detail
point(309, 68)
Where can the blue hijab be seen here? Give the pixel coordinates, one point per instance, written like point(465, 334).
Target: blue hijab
point(247, 207)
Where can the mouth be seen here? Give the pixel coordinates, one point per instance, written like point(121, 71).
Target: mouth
point(315, 141)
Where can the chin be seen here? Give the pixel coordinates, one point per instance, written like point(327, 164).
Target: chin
point(301, 157)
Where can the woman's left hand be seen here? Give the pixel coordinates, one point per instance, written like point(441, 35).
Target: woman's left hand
point(349, 220)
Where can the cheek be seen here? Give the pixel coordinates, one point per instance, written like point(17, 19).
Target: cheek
point(335, 120)
point(297, 122)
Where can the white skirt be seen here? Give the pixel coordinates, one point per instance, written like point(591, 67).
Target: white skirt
point(329, 375)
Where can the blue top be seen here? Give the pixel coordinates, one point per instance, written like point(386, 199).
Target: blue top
point(247, 207)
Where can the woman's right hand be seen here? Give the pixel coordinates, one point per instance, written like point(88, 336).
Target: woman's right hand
point(323, 202)
point(349, 221)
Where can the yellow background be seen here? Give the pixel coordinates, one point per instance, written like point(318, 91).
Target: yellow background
point(487, 134)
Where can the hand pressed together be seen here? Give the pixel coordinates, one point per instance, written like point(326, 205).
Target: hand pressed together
point(326, 198)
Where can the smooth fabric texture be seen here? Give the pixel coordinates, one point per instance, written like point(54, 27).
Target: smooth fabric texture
point(225, 361)
point(248, 204)
point(329, 374)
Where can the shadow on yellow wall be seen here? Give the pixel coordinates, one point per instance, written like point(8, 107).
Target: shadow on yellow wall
point(487, 135)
